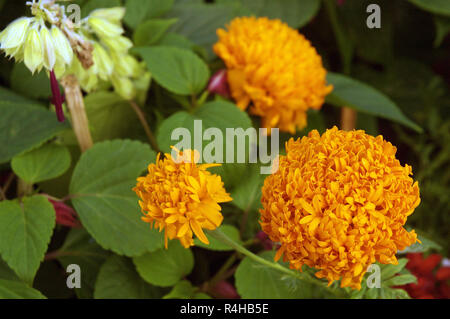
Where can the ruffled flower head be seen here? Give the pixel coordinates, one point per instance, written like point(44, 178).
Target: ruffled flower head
point(275, 69)
point(181, 197)
point(338, 203)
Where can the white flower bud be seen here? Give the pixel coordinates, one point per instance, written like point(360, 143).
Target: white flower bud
point(62, 45)
point(15, 33)
point(103, 28)
point(123, 86)
point(112, 14)
point(33, 53)
point(102, 62)
point(125, 65)
point(118, 44)
point(48, 48)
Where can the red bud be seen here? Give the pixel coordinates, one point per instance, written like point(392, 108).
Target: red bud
point(218, 84)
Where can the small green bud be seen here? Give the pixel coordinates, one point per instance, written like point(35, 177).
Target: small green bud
point(103, 28)
point(114, 15)
point(118, 44)
point(33, 52)
point(123, 86)
point(103, 65)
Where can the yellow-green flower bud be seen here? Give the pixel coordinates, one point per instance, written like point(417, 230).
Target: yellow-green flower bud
point(125, 65)
point(112, 14)
point(123, 86)
point(118, 44)
point(33, 52)
point(48, 48)
point(103, 28)
point(62, 45)
point(103, 65)
point(15, 33)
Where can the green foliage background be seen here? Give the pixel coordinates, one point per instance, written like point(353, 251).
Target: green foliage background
point(396, 77)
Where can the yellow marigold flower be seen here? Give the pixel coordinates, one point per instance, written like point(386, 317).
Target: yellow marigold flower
point(338, 203)
point(181, 197)
point(273, 67)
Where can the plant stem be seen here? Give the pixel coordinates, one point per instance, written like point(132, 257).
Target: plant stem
point(75, 104)
point(348, 115)
point(141, 115)
point(219, 235)
point(24, 188)
point(223, 270)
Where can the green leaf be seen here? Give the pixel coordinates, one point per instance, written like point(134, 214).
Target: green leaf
point(217, 114)
point(390, 270)
point(182, 290)
point(118, 279)
point(247, 194)
point(33, 86)
point(137, 10)
point(363, 98)
point(11, 97)
point(177, 70)
point(199, 21)
point(23, 127)
point(434, 6)
point(426, 245)
point(101, 187)
point(442, 29)
point(81, 249)
point(255, 281)
point(25, 231)
point(151, 31)
point(17, 290)
point(45, 163)
point(110, 116)
point(6, 272)
point(295, 13)
point(214, 244)
point(176, 40)
point(400, 280)
point(165, 267)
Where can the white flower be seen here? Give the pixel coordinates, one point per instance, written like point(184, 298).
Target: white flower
point(62, 45)
point(111, 14)
point(15, 33)
point(33, 53)
point(48, 48)
point(118, 44)
point(103, 64)
point(103, 28)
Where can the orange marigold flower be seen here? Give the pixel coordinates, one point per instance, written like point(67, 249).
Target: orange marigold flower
point(181, 197)
point(338, 203)
point(273, 67)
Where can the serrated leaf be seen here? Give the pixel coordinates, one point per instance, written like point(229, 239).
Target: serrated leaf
point(182, 290)
point(255, 281)
point(295, 13)
point(10, 289)
point(45, 163)
point(25, 231)
point(81, 249)
point(178, 70)
point(400, 280)
point(137, 10)
point(165, 267)
point(101, 187)
point(217, 114)
point(215, 244)
point(110, 116)
point(23, 127)
point(151, 31)
point(363, 98)
point(390, 270)
point(118, 279)
point(199, 21)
